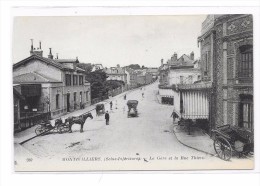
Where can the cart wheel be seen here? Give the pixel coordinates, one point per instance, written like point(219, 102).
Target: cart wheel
point(63, 129)
point(39, 130)
point(59, 129)
point(223, 148)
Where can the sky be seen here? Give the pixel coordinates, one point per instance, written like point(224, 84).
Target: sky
point(109, 40)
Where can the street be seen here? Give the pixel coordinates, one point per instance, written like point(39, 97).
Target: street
point(148, 135)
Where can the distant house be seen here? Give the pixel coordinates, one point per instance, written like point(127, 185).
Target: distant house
point(143, 77)
point(176, 72)
point(50, 86)
point(96, 67)
point(131, 77)
point(116, 73)
point(153, 71)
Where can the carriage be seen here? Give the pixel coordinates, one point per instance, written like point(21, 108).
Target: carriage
point(132, 108)
point(60, 127)
point(45, 126)
point(229, 140)
point(100, 109)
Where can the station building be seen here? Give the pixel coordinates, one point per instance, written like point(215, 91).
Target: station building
point(50, 87)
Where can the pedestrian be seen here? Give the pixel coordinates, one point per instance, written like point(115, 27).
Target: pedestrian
point(107, 118)
point(111, 105)
point(174, 115)
point(142, 94)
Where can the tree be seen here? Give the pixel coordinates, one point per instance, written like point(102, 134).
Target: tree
point(97, 81)
point(134, 66)
point(86, 66)
point(113, 84)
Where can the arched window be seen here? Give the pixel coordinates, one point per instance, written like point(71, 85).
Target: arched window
point(246, 61)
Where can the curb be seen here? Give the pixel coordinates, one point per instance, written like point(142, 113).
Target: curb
point(189, 145)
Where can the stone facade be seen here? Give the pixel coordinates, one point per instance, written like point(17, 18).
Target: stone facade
point(233, 33)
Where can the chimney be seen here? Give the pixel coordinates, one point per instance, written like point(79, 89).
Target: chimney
point(118, 66)
point(192, 55)
point(77, 60)
point(31, 51)
point(35, 51)
point(31, 44)
point(175, 57)
point(161, 62)
point(50, 56)
point(40, 45)
point(57, 57)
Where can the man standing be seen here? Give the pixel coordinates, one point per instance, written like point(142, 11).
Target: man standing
point(111, 105)
point(107, 118)
point(174, 115)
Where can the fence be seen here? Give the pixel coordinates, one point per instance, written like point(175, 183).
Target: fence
point(29, 119)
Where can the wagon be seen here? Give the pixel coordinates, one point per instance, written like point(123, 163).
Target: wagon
point(229, 140)
point(45, 127)
point(100, 109)
point(132, 108)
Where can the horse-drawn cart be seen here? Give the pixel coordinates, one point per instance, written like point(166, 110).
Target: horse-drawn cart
point(132, 108)
point(45, 126)
point(100, 109)
point(229, 140)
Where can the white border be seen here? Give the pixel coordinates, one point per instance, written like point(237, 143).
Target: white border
point(10, 9)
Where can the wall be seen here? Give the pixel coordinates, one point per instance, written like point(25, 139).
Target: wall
point(41, 67)
point(231, 33)
point(148, 78)
point(140, 80)
point(207, 48)
point(174, 75)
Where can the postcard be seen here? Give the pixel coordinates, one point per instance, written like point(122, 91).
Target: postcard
point(133, 92)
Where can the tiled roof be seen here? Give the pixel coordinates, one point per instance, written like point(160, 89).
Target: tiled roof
point(183, 61)
point(44, 59)
point(66, 60)
point(33, 77)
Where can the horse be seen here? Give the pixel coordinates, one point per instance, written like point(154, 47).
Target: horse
point(78, 120)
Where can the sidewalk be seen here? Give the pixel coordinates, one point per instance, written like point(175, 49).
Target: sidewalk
point(197, 140)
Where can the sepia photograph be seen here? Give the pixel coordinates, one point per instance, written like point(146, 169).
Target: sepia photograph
point(133, 92)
